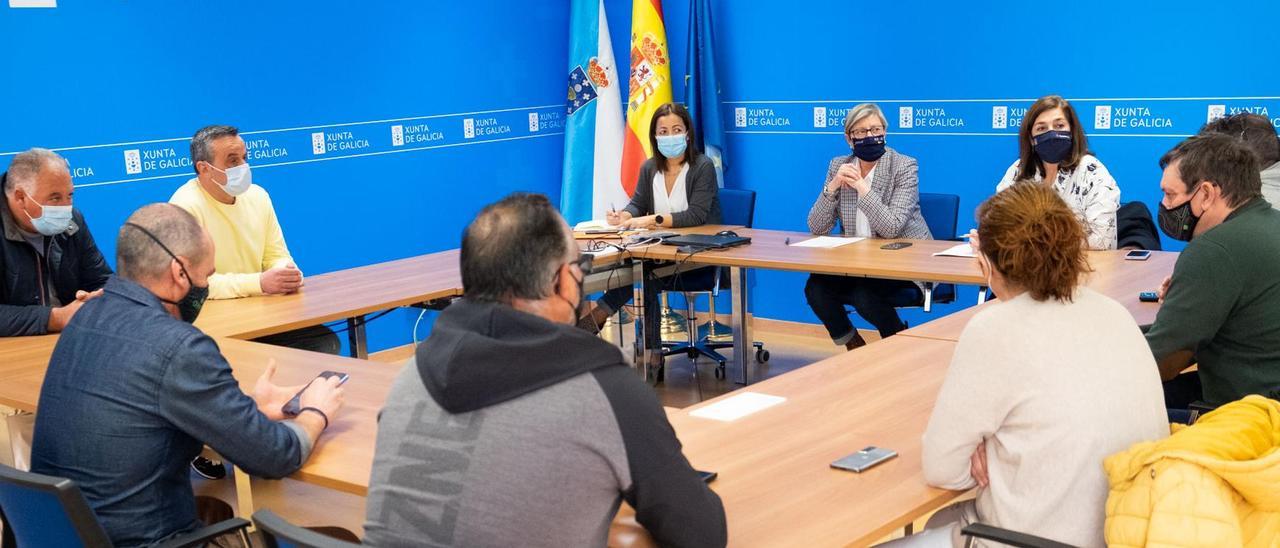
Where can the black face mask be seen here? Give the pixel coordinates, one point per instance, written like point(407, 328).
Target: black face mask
point(190, 304)
point(1178, 223)
point(584, 264)
point(869, 148)
point(1052, 146)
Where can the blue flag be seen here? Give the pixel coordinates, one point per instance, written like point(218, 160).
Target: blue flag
point(702, 85)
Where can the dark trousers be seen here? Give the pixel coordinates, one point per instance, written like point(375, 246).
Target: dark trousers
point(702, 279)
point(1179, 393)
point(317, 338)
point(874, 299)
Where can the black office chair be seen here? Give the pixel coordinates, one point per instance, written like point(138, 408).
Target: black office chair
point(278, 533)
point(1010, 538)
point(737, 208)
point(39, 510)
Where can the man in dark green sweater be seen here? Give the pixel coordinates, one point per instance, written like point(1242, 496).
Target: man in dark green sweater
point(1222, 304)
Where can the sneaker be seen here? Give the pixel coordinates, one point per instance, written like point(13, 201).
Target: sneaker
point(209, 469)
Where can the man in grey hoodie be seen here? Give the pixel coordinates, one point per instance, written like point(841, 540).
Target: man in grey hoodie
point(512, 427)
point(1259, 134)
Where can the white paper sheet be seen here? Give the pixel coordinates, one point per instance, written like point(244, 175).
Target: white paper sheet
point(736, 407)
point(827, 242)
point(958, 250)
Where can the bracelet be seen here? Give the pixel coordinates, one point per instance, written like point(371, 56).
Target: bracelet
point(318, 412)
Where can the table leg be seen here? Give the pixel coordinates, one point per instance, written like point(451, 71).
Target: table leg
point(742, 333)
point(244, 493)
point(355, 337)
point(651, 334)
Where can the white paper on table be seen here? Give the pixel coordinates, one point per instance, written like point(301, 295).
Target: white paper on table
point(736, 407)
point(958, 250)
point(595, 224)
point(827, 242)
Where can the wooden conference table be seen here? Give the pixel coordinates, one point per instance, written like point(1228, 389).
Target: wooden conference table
point(773, 465)
point(1113, 276)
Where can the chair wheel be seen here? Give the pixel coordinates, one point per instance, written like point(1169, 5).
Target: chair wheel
point(762, 355)
point(720, 371)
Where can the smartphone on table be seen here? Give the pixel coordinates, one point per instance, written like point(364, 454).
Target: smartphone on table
point(1137, 255)
point(864, 459)
point(294, 406)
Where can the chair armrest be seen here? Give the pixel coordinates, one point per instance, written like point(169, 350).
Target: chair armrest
point(1011, 538)
point(201, 536)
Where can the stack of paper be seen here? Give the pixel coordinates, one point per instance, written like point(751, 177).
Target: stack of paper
point(736, 407)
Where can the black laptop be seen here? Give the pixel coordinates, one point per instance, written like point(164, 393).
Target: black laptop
point(707, 241)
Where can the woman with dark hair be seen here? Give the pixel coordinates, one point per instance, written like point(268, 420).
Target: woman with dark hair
point(1053, 149)
point(1045, 383)
point(676, 188)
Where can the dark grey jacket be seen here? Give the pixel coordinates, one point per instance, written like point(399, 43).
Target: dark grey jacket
point(700, 185)
point(70, 262)
point(509, 430)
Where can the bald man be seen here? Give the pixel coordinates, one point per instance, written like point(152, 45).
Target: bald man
point(134, 391)
point(49, 263)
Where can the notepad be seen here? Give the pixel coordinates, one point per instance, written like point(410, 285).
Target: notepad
point(827, 242)
point(736, 407)
point(595, 224)
point(959, 250)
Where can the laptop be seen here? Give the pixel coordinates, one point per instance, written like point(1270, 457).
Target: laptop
point(707, 241)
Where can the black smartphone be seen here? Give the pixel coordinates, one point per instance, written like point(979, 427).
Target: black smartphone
point(1137, 255)
point(896, 245)
point(706, 476)
point(294, 406)
point(1149, 297)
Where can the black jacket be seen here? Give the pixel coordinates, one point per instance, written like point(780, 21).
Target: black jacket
point(700, 187)
point(71, 262)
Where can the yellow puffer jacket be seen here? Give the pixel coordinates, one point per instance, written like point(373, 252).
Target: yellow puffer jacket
point(1216, 483)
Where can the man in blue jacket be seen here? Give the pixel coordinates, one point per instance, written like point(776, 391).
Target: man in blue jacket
point(49, 263)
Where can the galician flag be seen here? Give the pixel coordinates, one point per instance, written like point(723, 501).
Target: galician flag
point(650, 85)
point(594, 131)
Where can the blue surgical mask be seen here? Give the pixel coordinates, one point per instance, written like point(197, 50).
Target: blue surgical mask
point(238, 179)
point(53, 220)
point(672, 146)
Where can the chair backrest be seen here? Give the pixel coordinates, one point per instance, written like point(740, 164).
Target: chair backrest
point(278, 533)
point(737, 207)
point(940, 212)
point(47, 511)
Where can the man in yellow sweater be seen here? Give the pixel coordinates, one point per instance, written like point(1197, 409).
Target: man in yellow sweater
point(250, 255)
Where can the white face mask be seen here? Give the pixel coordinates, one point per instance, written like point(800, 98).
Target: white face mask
point(238, 179)
point(53, 220)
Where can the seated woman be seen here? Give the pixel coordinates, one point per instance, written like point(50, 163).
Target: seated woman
point(1045, 383)
point(873, 193)
point(676, 188)
point(1053, 149)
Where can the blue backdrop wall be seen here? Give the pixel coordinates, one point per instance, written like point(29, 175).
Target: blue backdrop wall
point(381, 128)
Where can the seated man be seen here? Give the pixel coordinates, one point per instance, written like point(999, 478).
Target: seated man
point(512, 427)
point(49, 264)
point(252, 258)
point(1256, 131)
point(1222, 304)
point(133, 390)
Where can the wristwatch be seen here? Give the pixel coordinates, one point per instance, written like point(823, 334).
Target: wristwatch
point(657, 219)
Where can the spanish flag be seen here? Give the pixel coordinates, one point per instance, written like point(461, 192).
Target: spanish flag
point(650, 85)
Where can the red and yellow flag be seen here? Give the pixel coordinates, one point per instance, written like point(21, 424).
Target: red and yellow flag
point(650, 85)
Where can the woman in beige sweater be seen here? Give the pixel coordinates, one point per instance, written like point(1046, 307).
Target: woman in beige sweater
point(1044, 384)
